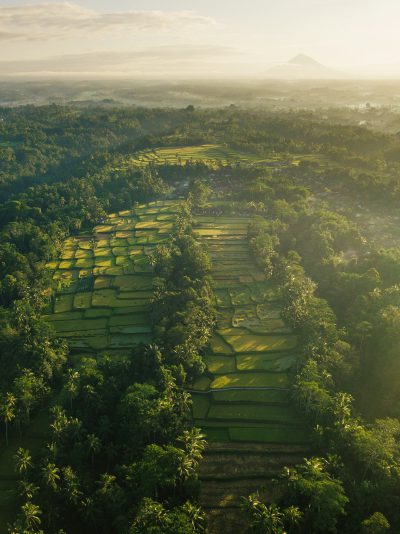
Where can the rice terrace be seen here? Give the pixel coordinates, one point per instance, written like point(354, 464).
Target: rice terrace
point(105, 280)
point(214, 156)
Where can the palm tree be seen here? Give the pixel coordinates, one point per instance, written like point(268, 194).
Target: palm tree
point(107, 483)
point(72, 385)
point(59, 423)
point(342, 408)
point(31, 514)
point(194, 442)
point(314, 466)
point(272, 520)
point(194, 445)
point(94, 445)
point(293, 516)
point(151, 517)
point(7, 410)
point(23, 460)
point(89, 509)
point(264, 519)
point(28, 387)
point(51, 476)
point(27, 489)
point(52, 448)
point(196, 515)
point(186, 467)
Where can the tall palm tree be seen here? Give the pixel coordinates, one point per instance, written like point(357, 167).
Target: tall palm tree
point(51, 475)
point(7, 410)
point(264, 519)
point(196, 515)
point(314, 466)
point(94, 445)
point(194, 443)
point(293, 516)
point(27, 489)
point(23, 460)
point(72, 385)
point(343, 407)
point(31, 514)
point(186, 467)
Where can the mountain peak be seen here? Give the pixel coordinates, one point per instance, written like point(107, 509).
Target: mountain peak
point(302, 67)
point(302, 59)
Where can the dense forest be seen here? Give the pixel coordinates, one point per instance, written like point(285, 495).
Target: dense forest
point(121, 453)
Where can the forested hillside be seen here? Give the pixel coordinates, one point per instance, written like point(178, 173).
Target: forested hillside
point(200, 322)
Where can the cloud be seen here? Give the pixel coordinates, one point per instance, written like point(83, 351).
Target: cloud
point(64, 20)
point(150, 61)
point(5, 35)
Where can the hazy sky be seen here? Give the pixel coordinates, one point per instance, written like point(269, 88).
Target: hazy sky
point(186, 38)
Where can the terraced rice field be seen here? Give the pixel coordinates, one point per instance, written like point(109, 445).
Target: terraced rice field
point(214, 155)
point(242, 401)
point(102, 305)
point(210, 153)
point(244, 395)
point(105, 280)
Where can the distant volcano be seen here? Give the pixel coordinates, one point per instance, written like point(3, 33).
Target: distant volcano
point(302, 59)
point(303, 67)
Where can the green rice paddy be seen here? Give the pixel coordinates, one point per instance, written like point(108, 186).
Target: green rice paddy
point(214, 155)
point(245, 393)
point(104, 281)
